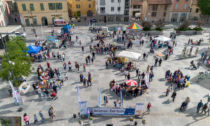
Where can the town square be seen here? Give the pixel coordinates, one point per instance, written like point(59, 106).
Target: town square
point(93, 72)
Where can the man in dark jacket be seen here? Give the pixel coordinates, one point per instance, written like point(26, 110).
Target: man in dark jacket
point(173, 95)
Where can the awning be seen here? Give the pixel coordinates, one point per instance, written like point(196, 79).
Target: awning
point(163, 38)
point(33, 49)
point(128, 54)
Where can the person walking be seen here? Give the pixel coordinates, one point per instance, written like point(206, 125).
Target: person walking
point(187, 101)
point(35, 119)
point(183, 106)
point(148, 107)
point(156, 60)
point(105, 100)
point(70, 67)
point(126, 74)
point(148, 69)
point(39, 93)
point(84, 69)
point(82, 48)
point(208, 109)
point(64, 66)
point(144, 55)
point(41, 115)
point(137, 72)
point(160, 61)
point(25, 117)
point(204, 108)
point(167, 92)
point(200, 104)
point(173, 95)
point(48, 64)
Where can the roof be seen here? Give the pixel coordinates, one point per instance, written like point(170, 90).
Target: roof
point(9, 29)
point(159, 2)
point(136, 2)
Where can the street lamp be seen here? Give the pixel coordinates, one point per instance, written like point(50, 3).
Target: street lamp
point(10, 62)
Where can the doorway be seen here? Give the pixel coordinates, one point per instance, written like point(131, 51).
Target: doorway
point(44, 21)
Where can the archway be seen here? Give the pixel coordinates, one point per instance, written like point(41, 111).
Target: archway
point(89, 13)
point(44, 21)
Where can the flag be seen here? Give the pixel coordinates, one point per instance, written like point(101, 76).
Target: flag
point(121, 102)
point(14, 94)
point(99, 99)
point(78, 94)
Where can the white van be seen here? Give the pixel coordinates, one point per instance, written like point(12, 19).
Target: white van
point(59, 22)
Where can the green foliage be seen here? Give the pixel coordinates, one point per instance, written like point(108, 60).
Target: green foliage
point(185, 25)
point(197, 29)
point(158, 29)
point(204, 6)
point(17, 51)
point(146, 29)
point(131, 119)
point(6, 122)
point(90, 118)
point(76, 14)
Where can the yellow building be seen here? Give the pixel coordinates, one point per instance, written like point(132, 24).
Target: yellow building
point(83, 7)
point(42, 12)
point(195, 11)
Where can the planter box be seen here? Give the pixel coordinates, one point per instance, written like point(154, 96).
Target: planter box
point(152, 32)
point(191, 32)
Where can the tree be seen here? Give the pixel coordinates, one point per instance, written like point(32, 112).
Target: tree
point(146, 25)
point(159, 25)
point(199, 24)
point(76, 14)
point(204, 6)
point(17, 51)
point(185, 25)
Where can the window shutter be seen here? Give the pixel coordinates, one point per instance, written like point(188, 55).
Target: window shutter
point(24, 7)
point(42, 6)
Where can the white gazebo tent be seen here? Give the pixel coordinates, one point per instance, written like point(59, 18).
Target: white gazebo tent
point(162, 38)
point(128, 54)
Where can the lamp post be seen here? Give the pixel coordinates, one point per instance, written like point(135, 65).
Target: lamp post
point(13, 76)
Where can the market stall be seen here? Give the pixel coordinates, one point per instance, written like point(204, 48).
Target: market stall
point(161, 41)
point(33, 49)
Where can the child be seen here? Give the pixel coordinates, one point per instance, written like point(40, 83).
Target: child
point(35, 119)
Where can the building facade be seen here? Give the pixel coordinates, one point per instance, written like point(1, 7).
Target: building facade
point(113, 10)
point(85, 8)
point(180, 10)
point(13, 16)
point(4, 13)
point(136, 6)
point(42, 12)
point(158, 10)
point(195, 12)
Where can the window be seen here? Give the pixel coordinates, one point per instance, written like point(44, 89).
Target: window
point(41, 6)
point(197, 10)
point(89, 0)
point(186, 0)
point(59, 6)
point(185, 6)
point(78, 6)
point(118, 8)
point(24, 7)
point(176, 6)
point(119, 1)
point(32, 7)
point(112, 8)
point(177, 0)
point(77, 0)
point(89, 5)
point(51, 6)
point(154, 14)
point(102, 2)
point(154, 7)
point(112, 1)
point(165, 7)
point(164, 14)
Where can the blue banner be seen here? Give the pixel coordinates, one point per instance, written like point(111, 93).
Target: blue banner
point(78, 94)
point(83, 107)
point(99, 99)
point(113, 111)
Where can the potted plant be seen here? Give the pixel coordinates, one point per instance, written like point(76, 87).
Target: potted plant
point(80, 122)
point(131, 121)
point(143, 121)
point(90, 120)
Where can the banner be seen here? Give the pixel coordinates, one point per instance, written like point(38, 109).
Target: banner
point(139, 109)
point(83, 107)
point(78, 94)
point(147, 79)
point(99, 99)
point(121, 99)
point(113, 111)
point(14, 94)
point(19, 99)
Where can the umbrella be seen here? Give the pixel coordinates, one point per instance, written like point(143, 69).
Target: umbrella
point(135, 26)
point(159, 54)
point(131, 83)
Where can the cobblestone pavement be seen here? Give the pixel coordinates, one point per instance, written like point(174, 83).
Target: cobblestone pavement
point(163, 112)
